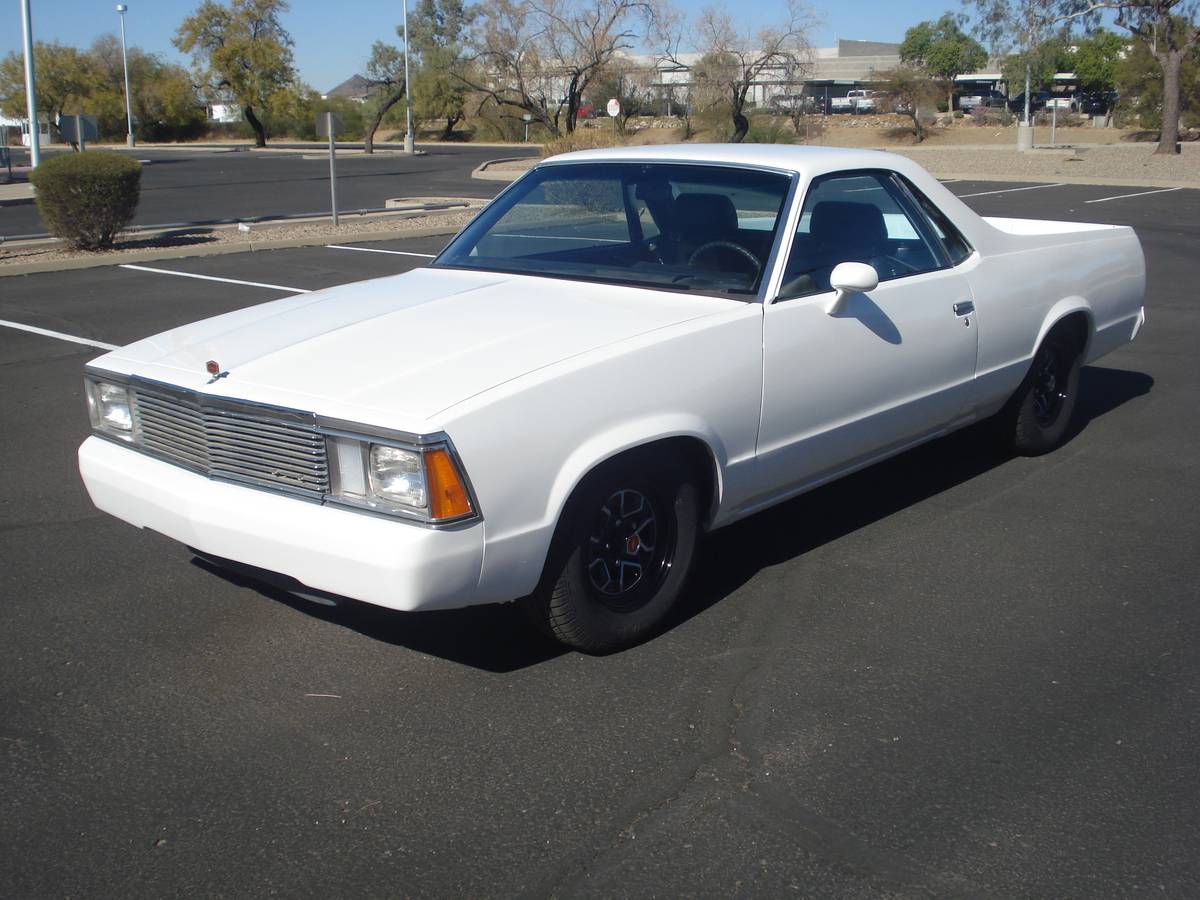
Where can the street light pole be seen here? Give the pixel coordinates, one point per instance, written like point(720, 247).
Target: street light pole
point(35, 132)
point(408, 128)
point(121, 8)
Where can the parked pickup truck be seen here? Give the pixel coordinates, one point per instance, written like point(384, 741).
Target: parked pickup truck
point(854, 102)
point(625, 349)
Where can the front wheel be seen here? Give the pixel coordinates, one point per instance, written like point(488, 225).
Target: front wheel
point(620, 557)
point(1039, 414)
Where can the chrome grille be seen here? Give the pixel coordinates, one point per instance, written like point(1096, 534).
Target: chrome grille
point(278, 449)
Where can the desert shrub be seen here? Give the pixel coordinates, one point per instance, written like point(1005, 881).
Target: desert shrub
point(583, 139)
point(1066, 118)
point(958, 114)
point(992, 116)
point(766, 129)
point(87, 198)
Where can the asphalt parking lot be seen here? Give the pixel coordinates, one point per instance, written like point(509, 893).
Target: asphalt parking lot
point(217, 183)
point(954, 674)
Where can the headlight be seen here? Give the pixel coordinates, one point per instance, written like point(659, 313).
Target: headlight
point(398, 476)
point(416, 481)
point(108, 406)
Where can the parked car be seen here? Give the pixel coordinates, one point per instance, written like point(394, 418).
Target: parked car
point(989, 99)
point(854, 102)
point(1037, 100)
point(1095, 103)
point(627, 348)
point(789, 103)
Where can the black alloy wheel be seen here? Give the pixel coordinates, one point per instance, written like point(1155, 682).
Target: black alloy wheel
point(621, 553)
point(1038, 417)
point(630, 549)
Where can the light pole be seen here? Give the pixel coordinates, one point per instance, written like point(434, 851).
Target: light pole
point(408, 129)
point(121, 9)
point(35, 133)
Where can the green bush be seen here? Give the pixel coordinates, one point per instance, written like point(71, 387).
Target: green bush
point(87, 198)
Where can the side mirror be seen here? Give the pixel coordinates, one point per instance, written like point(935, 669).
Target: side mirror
point(850, 278)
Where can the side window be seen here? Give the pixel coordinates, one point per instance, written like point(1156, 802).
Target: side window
point(855, 217)
point(957, 248)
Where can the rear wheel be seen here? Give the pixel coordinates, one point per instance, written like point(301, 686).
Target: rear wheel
point(1039, 415)
point(621, 555)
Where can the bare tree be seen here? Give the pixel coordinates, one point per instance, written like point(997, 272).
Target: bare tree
point(584, 36)
point(735, 60)
point(506, 65)
point(539, 56)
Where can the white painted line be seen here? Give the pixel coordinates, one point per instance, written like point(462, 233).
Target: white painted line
point(1140, 194)
point(46, 332)
point(378, 250)
point(274, 287)
point(1032, 187)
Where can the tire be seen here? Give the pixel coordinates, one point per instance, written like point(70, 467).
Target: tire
point(620, 556)
point(1038, 418)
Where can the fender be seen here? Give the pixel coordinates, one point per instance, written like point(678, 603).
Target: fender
point(1059, 311)
point(628, 436)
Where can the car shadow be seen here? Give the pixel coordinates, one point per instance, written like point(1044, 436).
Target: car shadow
point(733, 555)
point(496, 638)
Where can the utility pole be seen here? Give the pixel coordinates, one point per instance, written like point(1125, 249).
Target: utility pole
point(35, 132)
point(408, 129)
point(121, 9)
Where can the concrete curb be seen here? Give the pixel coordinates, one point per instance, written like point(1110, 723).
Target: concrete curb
point(481, 171)
point(249, 246)
point(1070, 179)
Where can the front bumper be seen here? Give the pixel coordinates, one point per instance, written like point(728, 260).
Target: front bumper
point(371, 558)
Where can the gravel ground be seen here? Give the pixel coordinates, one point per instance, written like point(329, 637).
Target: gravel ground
point(260, 237)
point(1123, 164)
point(1129, 163)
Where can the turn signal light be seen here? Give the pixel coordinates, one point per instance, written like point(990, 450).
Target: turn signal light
point(447, 494)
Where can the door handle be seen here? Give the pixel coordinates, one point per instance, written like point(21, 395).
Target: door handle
point(964, 309)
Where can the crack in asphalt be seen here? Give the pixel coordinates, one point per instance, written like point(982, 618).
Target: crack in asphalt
point(726, 774)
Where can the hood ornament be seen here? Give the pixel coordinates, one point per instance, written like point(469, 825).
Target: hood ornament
point(214, 369)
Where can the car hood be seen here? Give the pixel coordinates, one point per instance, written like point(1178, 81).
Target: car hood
point(407, 346)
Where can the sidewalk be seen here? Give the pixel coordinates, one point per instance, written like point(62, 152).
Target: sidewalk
point(17, 192)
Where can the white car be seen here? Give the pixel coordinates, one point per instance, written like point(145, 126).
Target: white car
point(625, 349)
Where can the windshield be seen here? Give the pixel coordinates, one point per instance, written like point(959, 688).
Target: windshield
point(659, 225)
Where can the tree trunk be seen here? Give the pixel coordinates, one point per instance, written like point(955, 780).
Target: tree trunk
point(950, 101)
point(1168, 138)
point(451, 121)
point(918, 130)
point(381, 110)
point(741, 126)
point(260, 133)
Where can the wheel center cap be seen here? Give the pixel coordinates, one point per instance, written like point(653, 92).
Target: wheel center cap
point(632, 544)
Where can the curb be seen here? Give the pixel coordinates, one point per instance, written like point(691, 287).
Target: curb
point(481, 171)
point(250, 246)
point(1070, 179)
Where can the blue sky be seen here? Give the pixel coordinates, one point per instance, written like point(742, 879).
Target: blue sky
point(333, 39)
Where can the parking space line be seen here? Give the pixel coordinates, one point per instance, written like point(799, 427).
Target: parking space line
point(1139, 194)
point(274, 287)
point(1032, 187)
point(379, 250)
point(46, 332)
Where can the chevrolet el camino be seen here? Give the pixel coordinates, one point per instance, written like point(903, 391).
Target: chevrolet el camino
point(624, 350)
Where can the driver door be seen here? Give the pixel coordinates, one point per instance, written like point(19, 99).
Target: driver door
point(893, 366)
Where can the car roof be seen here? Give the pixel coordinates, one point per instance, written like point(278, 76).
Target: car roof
point(809, 161)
